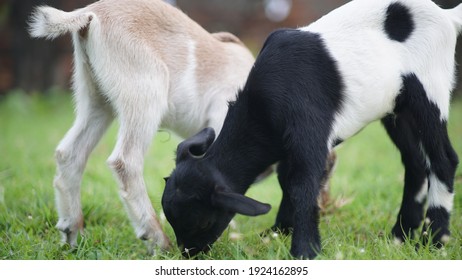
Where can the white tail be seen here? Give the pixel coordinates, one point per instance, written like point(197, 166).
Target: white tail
point(48, 22)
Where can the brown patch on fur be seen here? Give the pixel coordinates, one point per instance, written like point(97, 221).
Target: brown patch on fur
point(166, 31)
point(325, 201)
point(81, 224)
point(161, 236)
point(324, 197)
point(83, 32)
point(118, 166)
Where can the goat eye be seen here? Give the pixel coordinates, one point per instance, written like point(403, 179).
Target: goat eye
point(205, 225)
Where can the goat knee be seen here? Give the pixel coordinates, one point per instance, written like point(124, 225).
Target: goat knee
point(119, 168)
point(68, 171)
point(128, 173)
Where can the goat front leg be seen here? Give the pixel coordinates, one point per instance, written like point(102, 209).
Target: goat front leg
point(138, 123)
point(92, 120)
point(285, 217)
point(301, 174)
point(400, 128)
point(441, 159)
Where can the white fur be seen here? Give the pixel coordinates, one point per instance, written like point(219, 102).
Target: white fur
point(438, 194)
point(63, 22)
point(372, 64)
point(445, 239)
point(422, 194)
point(128, 67)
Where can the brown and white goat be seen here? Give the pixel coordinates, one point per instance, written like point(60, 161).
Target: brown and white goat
point(147, 64)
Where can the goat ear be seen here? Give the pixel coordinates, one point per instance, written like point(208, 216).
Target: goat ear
point(239, 203)
point(196, 146)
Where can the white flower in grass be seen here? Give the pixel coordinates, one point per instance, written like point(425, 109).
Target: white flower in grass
point(235, 236)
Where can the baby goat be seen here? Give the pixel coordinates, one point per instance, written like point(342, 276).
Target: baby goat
point(312, 88)
point(149, 65)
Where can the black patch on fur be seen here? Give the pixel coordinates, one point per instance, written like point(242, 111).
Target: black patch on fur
point(400, 129)
point(416, 125)
point(398, 23)
point(428, 128)
point(284, 114)
point(288, 106)
point(296, 80)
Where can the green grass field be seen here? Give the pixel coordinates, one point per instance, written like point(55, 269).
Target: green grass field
point(369, 173)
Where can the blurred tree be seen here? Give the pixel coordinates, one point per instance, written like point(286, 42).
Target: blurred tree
point(33, 59)
point(251, 20)
point(27, 63)
point(6, 63)
point(38, 64)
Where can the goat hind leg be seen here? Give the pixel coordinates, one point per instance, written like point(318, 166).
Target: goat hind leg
point(441, 159)
point(410, 216)
point(71, 155)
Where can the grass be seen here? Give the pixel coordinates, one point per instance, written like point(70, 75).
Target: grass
point(369, 172)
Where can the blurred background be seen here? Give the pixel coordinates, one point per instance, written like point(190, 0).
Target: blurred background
point(38, 65)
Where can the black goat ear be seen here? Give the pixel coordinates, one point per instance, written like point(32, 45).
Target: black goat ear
point(238, 203)
point(166, 179)
point(196, 146)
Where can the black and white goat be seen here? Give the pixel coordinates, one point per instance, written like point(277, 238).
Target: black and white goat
point(149, 65)
point(312, 88)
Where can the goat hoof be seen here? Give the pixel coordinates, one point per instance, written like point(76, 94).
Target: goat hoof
point(305, 249)
point(305, 255)
point(155, 241)
point(277, 230)
point(69, 231)
point(438, 237)
point(154, 248)
point(400, 236)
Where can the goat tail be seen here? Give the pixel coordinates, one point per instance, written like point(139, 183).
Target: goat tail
point(48, 22)
point(456, 17)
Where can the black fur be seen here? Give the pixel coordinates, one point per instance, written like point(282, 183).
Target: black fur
point(398, 23)
point(400, 129)
point(438, 226)
point(416, 121)
point(429, 128)
point(284, 113)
